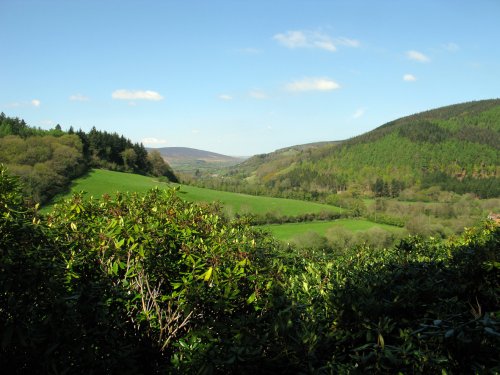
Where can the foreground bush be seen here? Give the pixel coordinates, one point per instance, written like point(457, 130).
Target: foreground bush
point(153, 284)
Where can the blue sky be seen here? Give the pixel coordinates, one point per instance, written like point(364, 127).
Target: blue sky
point(242, 77)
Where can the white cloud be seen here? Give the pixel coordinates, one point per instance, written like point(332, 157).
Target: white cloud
point(225, 97)
point(136, 95)
point(417, 56)
point(78, 98)
point(195, 131)
point(409, 78)
point(359, 113)
point(154, 141)
point(257, 94)
point(451, 47)
point(34, 103)
point(325, 44)
point(292, 39)
point(312, 84)
point(313, 39)
point(347, 42)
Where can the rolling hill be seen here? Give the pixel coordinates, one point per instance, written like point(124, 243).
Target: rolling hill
point(182, 157)
point(99, 182)
point(454, 147)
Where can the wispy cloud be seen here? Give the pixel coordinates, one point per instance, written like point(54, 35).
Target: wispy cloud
point(347, 42)
point(451, 47)
point(359, 113)
point(258, 94)
point(409, 78)
point(417, 56)
point(225, 97)
point(79, 98)
point(312, 84)
point(136, 95)
point(32, 103)
point(292, 39)
point(154, 141)
point(313, 39)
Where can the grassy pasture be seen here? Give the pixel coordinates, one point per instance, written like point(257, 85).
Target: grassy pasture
point(244, 203)
point(285, 232)
point(99, 182)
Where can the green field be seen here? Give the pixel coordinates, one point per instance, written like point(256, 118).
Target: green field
point(287, 231)
point(244, 203)
point(99, 182)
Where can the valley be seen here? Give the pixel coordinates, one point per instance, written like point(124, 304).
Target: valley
point(193, 161)
point(374, 246)
point(250, 187)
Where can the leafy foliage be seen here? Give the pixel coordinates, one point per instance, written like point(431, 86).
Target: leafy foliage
point(46, 164)
point(155, 284)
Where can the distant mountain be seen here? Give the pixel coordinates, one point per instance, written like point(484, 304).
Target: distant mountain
point(455, 147)
point(185, 156)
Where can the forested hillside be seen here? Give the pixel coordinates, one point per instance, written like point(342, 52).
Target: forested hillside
point(456, 148)
point(47, 160)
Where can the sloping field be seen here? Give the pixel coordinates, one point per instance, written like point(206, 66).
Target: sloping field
point(99, 182)
point(244, 203)
point(287, 231)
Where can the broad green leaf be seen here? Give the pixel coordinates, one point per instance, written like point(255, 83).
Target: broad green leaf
point(252, 298)
point(208, 274)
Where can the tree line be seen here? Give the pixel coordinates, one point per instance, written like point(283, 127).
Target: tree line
point(47, 160)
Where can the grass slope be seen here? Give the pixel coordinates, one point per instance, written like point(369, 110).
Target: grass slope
point(286, 232)
point(244, 203)
point(99, 182)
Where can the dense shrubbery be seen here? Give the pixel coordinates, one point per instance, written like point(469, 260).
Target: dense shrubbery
point(152, 284)
point(46, 164)
point(274, 218)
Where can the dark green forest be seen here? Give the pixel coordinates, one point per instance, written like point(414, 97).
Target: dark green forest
point(47, 160)
point(154, 284)
point(456, 148)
